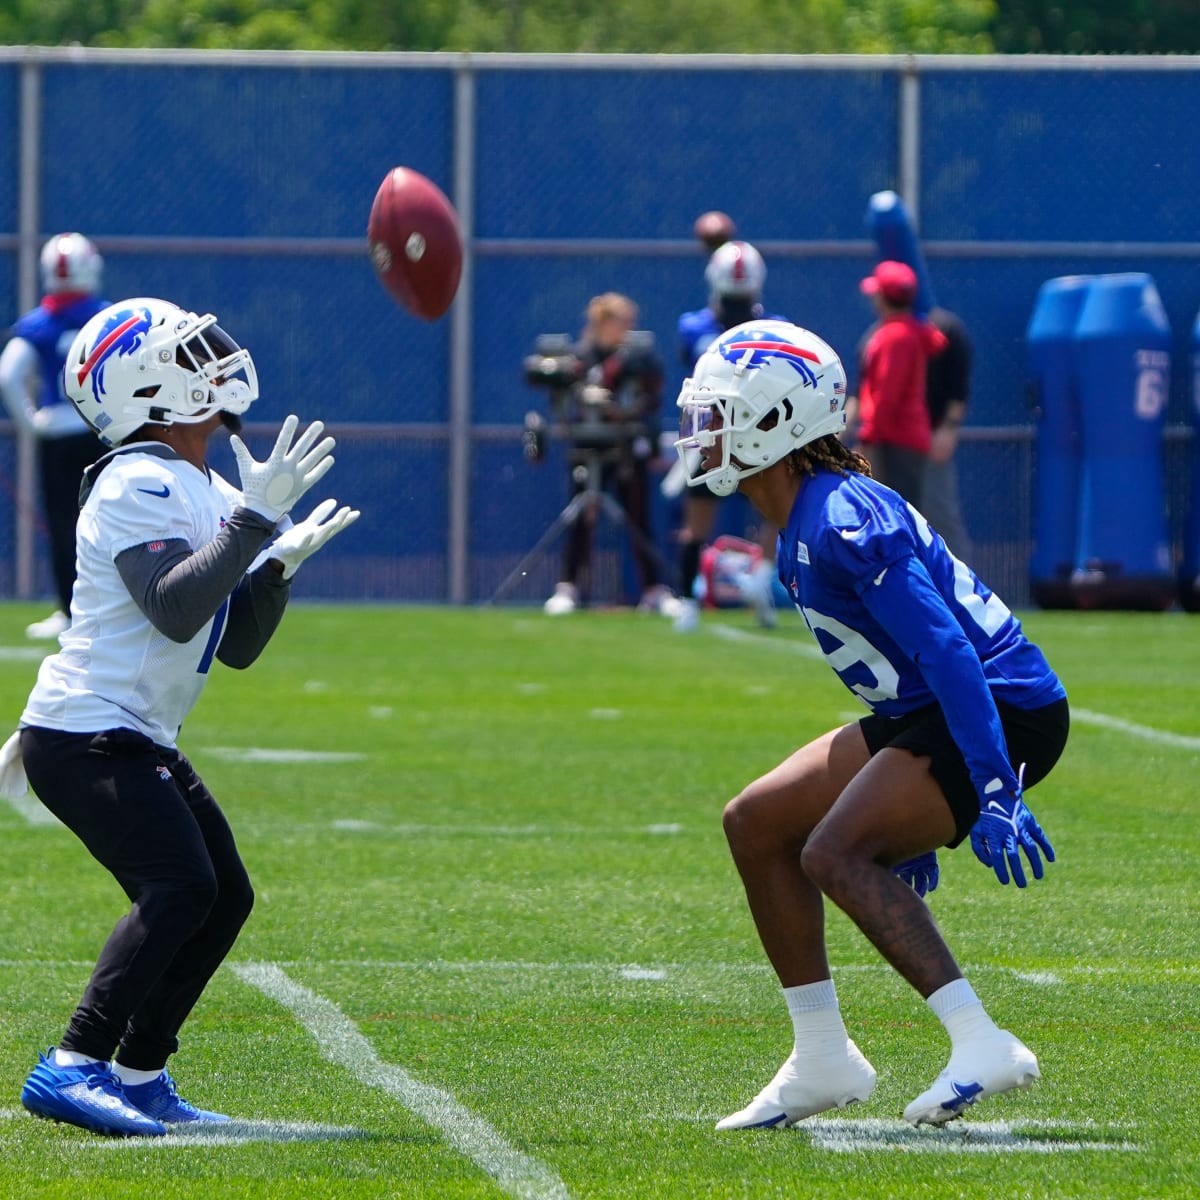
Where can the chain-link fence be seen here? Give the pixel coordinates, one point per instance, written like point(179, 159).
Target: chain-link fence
point(240, 184)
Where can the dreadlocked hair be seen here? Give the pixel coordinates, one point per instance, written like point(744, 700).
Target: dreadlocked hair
point(828, 453)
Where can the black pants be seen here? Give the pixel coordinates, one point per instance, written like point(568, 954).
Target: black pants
point(144, 814)
point(630, 481)
point(62, 462)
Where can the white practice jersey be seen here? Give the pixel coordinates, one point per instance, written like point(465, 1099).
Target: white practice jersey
point(114, 669)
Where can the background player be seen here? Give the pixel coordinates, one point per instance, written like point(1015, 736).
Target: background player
point(32, 389)
point(735, 276)
point(965, 713)
point(177, 568)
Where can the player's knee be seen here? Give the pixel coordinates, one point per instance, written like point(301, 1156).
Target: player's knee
point(746, 825)
point(823, 859)
point(183, 902)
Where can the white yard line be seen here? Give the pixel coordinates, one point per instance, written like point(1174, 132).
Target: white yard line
point(783, 642)
point(340, 1042)
point(959, 1137)
point(1146, 732)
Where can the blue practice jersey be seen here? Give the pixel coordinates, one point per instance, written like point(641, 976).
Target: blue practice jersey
point(903, 622)
point(51, 334)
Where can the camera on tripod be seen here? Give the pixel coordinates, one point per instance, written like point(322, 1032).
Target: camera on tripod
point(602, 406)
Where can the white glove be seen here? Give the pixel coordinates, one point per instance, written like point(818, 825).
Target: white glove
point(13, 783)
point(270, 488)
point(301, 541)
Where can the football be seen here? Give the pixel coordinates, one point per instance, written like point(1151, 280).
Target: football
point(415, 243)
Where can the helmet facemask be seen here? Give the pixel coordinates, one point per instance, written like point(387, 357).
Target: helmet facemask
point(148, 362)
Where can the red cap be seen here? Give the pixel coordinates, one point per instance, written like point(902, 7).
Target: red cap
point(896, 282)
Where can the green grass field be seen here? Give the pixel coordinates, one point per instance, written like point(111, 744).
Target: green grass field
point(499, 948)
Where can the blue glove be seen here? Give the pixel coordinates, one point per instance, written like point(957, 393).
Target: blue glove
point(1005, 826)
point(920, 873)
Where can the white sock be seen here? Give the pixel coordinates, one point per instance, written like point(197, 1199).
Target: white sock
point(72, 1058)
point(133, 1078)
point(960, 1011)
point(816, 1018)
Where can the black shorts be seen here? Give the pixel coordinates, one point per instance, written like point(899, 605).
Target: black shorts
point(1034, 736)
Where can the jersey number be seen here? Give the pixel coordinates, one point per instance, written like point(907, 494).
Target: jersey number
point(214, 639)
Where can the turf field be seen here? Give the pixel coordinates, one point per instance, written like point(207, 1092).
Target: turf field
point(499, 949)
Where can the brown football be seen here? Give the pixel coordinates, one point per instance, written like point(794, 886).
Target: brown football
point(415, 243)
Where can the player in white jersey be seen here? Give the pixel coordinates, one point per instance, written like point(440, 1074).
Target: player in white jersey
point(965, 713)
point(177, 568)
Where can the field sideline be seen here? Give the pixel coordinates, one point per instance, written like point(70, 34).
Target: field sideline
point(499, 949)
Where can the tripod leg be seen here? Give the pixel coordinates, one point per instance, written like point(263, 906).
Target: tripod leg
point(564, 520)
point(620, 518)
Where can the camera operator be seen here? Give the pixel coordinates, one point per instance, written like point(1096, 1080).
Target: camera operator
point(606, 389)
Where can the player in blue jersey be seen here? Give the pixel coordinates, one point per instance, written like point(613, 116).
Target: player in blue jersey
point(965, 713)
point(31, 366)
point(735, 276)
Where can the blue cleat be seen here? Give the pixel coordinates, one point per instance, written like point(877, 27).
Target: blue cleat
point(159, 1100)
point(89, 1096)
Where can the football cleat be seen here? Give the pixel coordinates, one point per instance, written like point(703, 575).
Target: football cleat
point(89, 1096)
point(565, 600)
point(804, 1087)
point(48, 627)
point(987, 1068)
point(159, 1100)
point(687, 616)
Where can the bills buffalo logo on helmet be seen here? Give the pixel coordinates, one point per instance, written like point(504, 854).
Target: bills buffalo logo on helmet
point(752, 350)
point(122, 333)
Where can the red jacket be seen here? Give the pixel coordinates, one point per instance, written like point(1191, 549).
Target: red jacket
point(891, 394)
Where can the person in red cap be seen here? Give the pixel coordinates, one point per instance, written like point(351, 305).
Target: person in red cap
point(893, 428)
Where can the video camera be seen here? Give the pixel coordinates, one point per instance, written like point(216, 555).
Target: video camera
point(600, 406)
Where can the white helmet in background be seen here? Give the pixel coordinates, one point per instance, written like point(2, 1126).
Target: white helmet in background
point(149, 362)
point(736, 270)
point(768, 387)
point(70, 263)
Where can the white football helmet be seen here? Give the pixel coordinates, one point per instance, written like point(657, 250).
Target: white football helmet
point(735, 269)
point(761, 390)
point(70, 263)
point(149, 362)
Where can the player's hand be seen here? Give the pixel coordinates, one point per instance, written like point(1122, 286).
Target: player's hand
point(270, 488)
point(1006, 827)
point(920, 873)
point(301, 541)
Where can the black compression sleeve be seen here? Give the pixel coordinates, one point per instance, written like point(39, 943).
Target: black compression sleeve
point(255, 610)
point(179, 589)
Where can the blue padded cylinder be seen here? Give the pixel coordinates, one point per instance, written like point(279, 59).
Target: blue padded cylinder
point(1051, 349)
point(891, 225)
point(1123, 359)
point(1189, 571)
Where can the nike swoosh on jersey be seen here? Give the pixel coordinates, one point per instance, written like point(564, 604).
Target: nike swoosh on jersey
point(166, 491)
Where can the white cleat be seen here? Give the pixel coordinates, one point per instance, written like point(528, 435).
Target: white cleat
point(804, 1087)
point(48, 627)
point(687, 616)
point(974, 1073)
point(565, 600)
